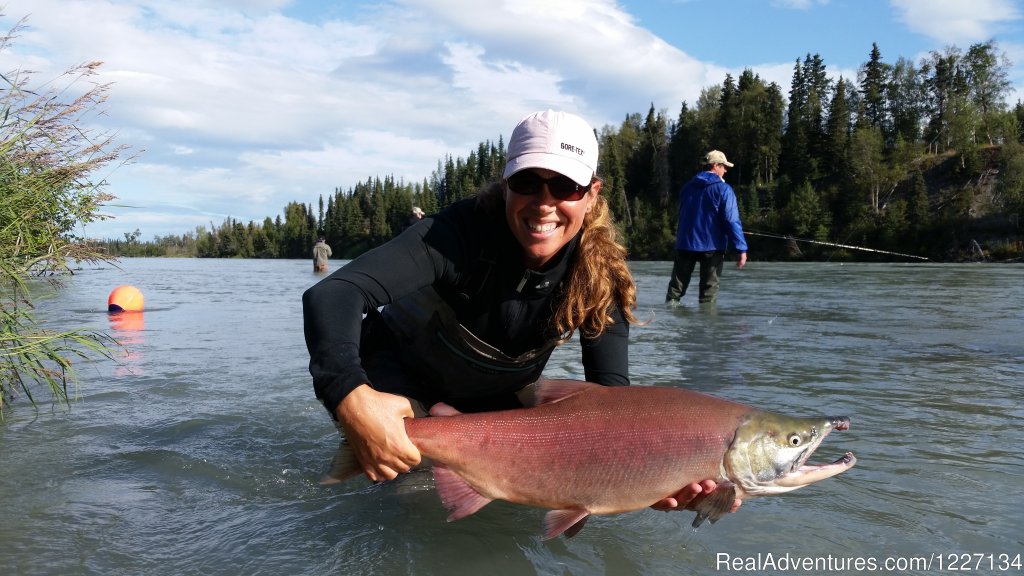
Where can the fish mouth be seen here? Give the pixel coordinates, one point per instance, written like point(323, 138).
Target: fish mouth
point(808, 474)
point(802, 474)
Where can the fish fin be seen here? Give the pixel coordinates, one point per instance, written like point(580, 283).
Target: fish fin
point(570, 521)
point(442, 409)
point(555, 390)
point(344, 465)
point(715, 505)
point(456, 494)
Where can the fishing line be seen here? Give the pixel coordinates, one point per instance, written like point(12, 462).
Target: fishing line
point(791, 241)
point(833, 244)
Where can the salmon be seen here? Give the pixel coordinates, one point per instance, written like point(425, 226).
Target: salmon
point(586, 449)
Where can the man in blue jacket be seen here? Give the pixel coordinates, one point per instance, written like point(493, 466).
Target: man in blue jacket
point(708, 221)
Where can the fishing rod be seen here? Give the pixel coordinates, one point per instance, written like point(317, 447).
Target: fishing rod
point(787, 237)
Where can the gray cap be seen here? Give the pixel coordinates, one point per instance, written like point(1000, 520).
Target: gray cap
point(716, 157)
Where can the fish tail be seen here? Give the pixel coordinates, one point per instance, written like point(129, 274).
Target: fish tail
point(343, 466)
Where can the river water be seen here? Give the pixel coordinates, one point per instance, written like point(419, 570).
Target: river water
point(199, 450)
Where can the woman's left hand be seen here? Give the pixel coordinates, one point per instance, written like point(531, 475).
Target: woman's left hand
point(690, 496)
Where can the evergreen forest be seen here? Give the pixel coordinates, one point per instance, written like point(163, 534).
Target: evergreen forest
point(923, 159)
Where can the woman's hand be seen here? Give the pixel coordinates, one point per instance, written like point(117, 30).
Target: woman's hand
point(690, 496)
point(374, 425)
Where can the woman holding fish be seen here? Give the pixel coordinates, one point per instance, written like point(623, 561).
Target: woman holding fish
point(466, 306)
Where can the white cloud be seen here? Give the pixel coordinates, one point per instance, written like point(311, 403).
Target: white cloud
point(590, 52)
point(500, 83)
point(955, 22)
point(242, 109)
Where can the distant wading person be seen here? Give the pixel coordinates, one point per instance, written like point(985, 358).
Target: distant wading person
point(416, 215)
point(321, 252)
point(504, 277)
point(708, 220)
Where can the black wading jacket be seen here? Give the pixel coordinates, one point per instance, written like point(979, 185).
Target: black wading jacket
point(470, 259)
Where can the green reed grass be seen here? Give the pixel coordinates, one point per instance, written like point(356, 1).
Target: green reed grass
point(49, 157)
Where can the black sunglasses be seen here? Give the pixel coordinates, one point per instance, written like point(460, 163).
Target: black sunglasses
point(529, 183)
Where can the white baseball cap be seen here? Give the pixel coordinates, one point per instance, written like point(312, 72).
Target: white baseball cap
point(556, 141)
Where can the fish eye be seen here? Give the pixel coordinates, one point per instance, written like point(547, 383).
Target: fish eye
point(795, 439)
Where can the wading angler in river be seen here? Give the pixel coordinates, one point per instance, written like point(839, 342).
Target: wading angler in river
point(465, 306)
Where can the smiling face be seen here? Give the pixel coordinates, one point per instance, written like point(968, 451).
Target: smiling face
point(543, 224)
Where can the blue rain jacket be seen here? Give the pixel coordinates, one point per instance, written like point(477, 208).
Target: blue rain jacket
point(708, 216)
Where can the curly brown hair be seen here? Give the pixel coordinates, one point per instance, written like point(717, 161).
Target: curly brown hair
point(598, 279)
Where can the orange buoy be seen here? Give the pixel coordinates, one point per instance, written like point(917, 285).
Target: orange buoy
point(125, 298)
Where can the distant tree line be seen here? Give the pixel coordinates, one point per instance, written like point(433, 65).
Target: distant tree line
point(922, 159)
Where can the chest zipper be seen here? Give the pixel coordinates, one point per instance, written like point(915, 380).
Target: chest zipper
point(522, 282)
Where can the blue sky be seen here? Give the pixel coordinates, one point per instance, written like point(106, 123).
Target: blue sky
point(236, 107)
